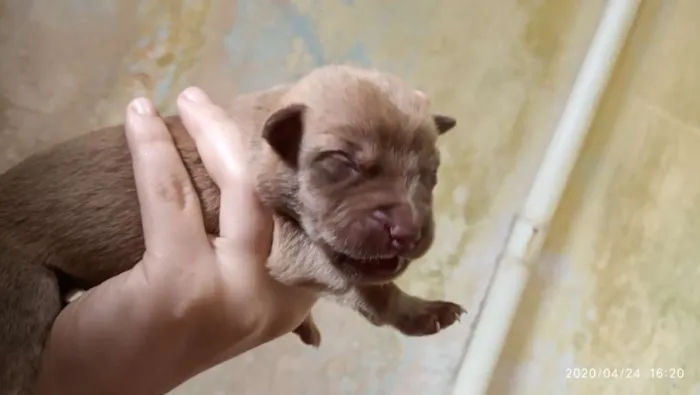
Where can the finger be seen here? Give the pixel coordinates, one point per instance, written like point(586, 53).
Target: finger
point(219, 140)
point(224, 151)
point(244, 220)
point(170, 210)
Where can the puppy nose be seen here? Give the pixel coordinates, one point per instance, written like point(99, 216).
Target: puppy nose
point(404, 238)
point(401, 226)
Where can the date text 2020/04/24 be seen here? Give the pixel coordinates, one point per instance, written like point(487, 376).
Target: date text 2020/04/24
point(624, 373)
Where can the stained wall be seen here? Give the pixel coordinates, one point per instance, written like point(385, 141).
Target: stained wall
point(617, 287)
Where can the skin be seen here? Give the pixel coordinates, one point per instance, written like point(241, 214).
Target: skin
point(155, 326)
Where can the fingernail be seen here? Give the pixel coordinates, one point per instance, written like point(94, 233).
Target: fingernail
point(195, 94)
point(423, 97)
point(143, 106)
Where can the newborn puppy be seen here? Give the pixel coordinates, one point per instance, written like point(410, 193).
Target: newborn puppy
point(346, 157)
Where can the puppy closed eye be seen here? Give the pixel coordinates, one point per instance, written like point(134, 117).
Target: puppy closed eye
point(337, 165)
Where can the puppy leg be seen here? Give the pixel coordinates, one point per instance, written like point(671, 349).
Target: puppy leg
point(387, 304)
point(308, 332)
point(29, 303)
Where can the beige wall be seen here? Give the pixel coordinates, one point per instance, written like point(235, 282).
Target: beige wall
point(615, 288)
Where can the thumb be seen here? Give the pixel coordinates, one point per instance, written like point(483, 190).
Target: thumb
point(243, 219)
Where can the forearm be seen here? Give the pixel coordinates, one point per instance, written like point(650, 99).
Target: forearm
point(129, 335)
point(112, 340)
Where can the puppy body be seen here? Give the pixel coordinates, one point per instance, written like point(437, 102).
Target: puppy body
point(346, 158)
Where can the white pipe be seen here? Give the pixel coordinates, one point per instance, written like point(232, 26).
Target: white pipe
point(530, 228)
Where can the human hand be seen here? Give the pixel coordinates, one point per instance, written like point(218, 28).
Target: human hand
point(194, 300)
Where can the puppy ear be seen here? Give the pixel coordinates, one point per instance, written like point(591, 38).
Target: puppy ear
point(283, 131)
point(444, 123)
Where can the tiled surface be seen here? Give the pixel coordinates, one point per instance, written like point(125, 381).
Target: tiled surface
point(618, 285)
point(502, 67)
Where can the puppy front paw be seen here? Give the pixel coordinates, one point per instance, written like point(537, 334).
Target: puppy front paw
point(423, 317)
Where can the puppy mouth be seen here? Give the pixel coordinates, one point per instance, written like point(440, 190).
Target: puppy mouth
point(367, 268)
point(374, 268)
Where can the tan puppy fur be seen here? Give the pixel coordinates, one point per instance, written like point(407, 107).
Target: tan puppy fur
point(346, 156)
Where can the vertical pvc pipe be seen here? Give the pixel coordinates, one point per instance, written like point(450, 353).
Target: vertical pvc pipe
point(529, 230)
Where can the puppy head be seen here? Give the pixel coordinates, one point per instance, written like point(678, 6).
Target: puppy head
point(361, 148)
